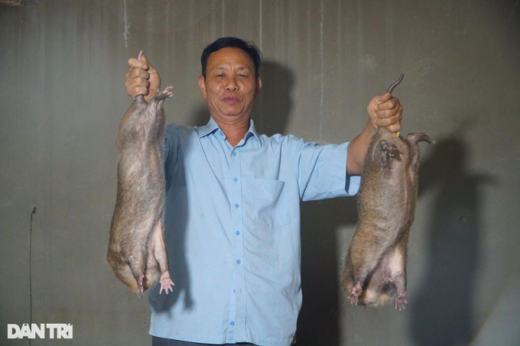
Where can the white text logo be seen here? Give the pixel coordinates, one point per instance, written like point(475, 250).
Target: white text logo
point(42, 330)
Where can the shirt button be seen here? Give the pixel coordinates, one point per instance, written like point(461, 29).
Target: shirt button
point(239, 261)
point(234, 153)
point(232, 323)
point(236, 206)
point(237, 232)
point(235, 180)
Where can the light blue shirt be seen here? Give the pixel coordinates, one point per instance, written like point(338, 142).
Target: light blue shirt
point(232, 232)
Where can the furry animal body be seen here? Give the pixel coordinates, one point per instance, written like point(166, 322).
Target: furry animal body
point(136, 250)
point(375, 267)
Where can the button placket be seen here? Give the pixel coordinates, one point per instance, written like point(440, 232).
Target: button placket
point(236, 319)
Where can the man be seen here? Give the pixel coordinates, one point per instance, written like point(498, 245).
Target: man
point(232, 218)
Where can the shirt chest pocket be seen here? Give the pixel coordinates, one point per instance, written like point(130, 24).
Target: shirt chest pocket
point(266, 203)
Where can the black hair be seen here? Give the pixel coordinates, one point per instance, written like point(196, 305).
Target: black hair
point(231, 42)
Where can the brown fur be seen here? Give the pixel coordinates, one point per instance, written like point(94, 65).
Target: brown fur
point(375, 267)
point(136, 250)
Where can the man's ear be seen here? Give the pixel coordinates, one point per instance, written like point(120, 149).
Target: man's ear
point(258, 86)
point(202, 86)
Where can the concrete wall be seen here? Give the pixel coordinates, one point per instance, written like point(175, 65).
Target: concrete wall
point(62, 66)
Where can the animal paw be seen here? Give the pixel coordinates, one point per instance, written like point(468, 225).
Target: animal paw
point(400, 301)
point(166, 283)
point(354, 293)
point(168, 91)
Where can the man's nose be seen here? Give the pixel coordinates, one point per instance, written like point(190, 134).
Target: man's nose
point(231, 85)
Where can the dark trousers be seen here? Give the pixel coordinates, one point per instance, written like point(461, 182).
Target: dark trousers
point(168, 342)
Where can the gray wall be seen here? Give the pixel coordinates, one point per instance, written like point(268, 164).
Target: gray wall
point(62, 66)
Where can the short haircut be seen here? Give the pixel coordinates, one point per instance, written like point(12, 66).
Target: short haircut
point(231, 42)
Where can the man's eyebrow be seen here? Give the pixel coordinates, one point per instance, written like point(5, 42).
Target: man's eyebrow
point(227, 68)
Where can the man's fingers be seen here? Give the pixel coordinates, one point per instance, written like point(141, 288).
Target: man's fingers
point(137, 73)
point(391, 103)
point(137, 86)
point(394, 128)
point(392, 124)
point(141, 78)
point(134, 63)
point(381, 99)
point(391, 113)
point(137, 82)
point(386, 111)
point(149, 67)
point(389, 119)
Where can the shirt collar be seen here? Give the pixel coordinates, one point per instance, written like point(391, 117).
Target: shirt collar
point(252, 130)
point(212, 127)
point(209, 128)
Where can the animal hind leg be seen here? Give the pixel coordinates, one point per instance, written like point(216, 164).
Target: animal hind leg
point(138, 266)
point(160, 255)
point(397, 270)
point(364, 256)
point(161, 95)
point(414, 139)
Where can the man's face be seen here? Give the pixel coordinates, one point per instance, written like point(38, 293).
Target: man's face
point(230, 86)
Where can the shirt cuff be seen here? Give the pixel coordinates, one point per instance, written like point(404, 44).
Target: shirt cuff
point(352, 184)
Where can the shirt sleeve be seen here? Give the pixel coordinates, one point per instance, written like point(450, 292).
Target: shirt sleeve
point(322, 172)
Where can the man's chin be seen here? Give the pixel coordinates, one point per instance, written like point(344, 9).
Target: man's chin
point(232, 113)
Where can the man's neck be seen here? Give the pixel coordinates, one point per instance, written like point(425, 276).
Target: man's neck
point(234, 130)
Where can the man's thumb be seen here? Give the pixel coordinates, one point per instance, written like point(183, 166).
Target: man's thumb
point(382, 98)
point(148, 66)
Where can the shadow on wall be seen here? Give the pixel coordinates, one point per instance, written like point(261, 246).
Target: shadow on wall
point(443, 310)
point(318, 323)
point(272, 109)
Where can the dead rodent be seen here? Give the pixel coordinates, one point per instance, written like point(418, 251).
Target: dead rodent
point(136, 250)
point(375, 267)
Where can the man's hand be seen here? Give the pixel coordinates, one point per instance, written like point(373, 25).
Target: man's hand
point(383, 110)
point(386, 111)
point(141, 78)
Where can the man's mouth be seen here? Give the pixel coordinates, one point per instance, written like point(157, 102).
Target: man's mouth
point(231, 100)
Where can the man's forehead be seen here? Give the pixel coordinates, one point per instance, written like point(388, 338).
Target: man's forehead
point(226, 57)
